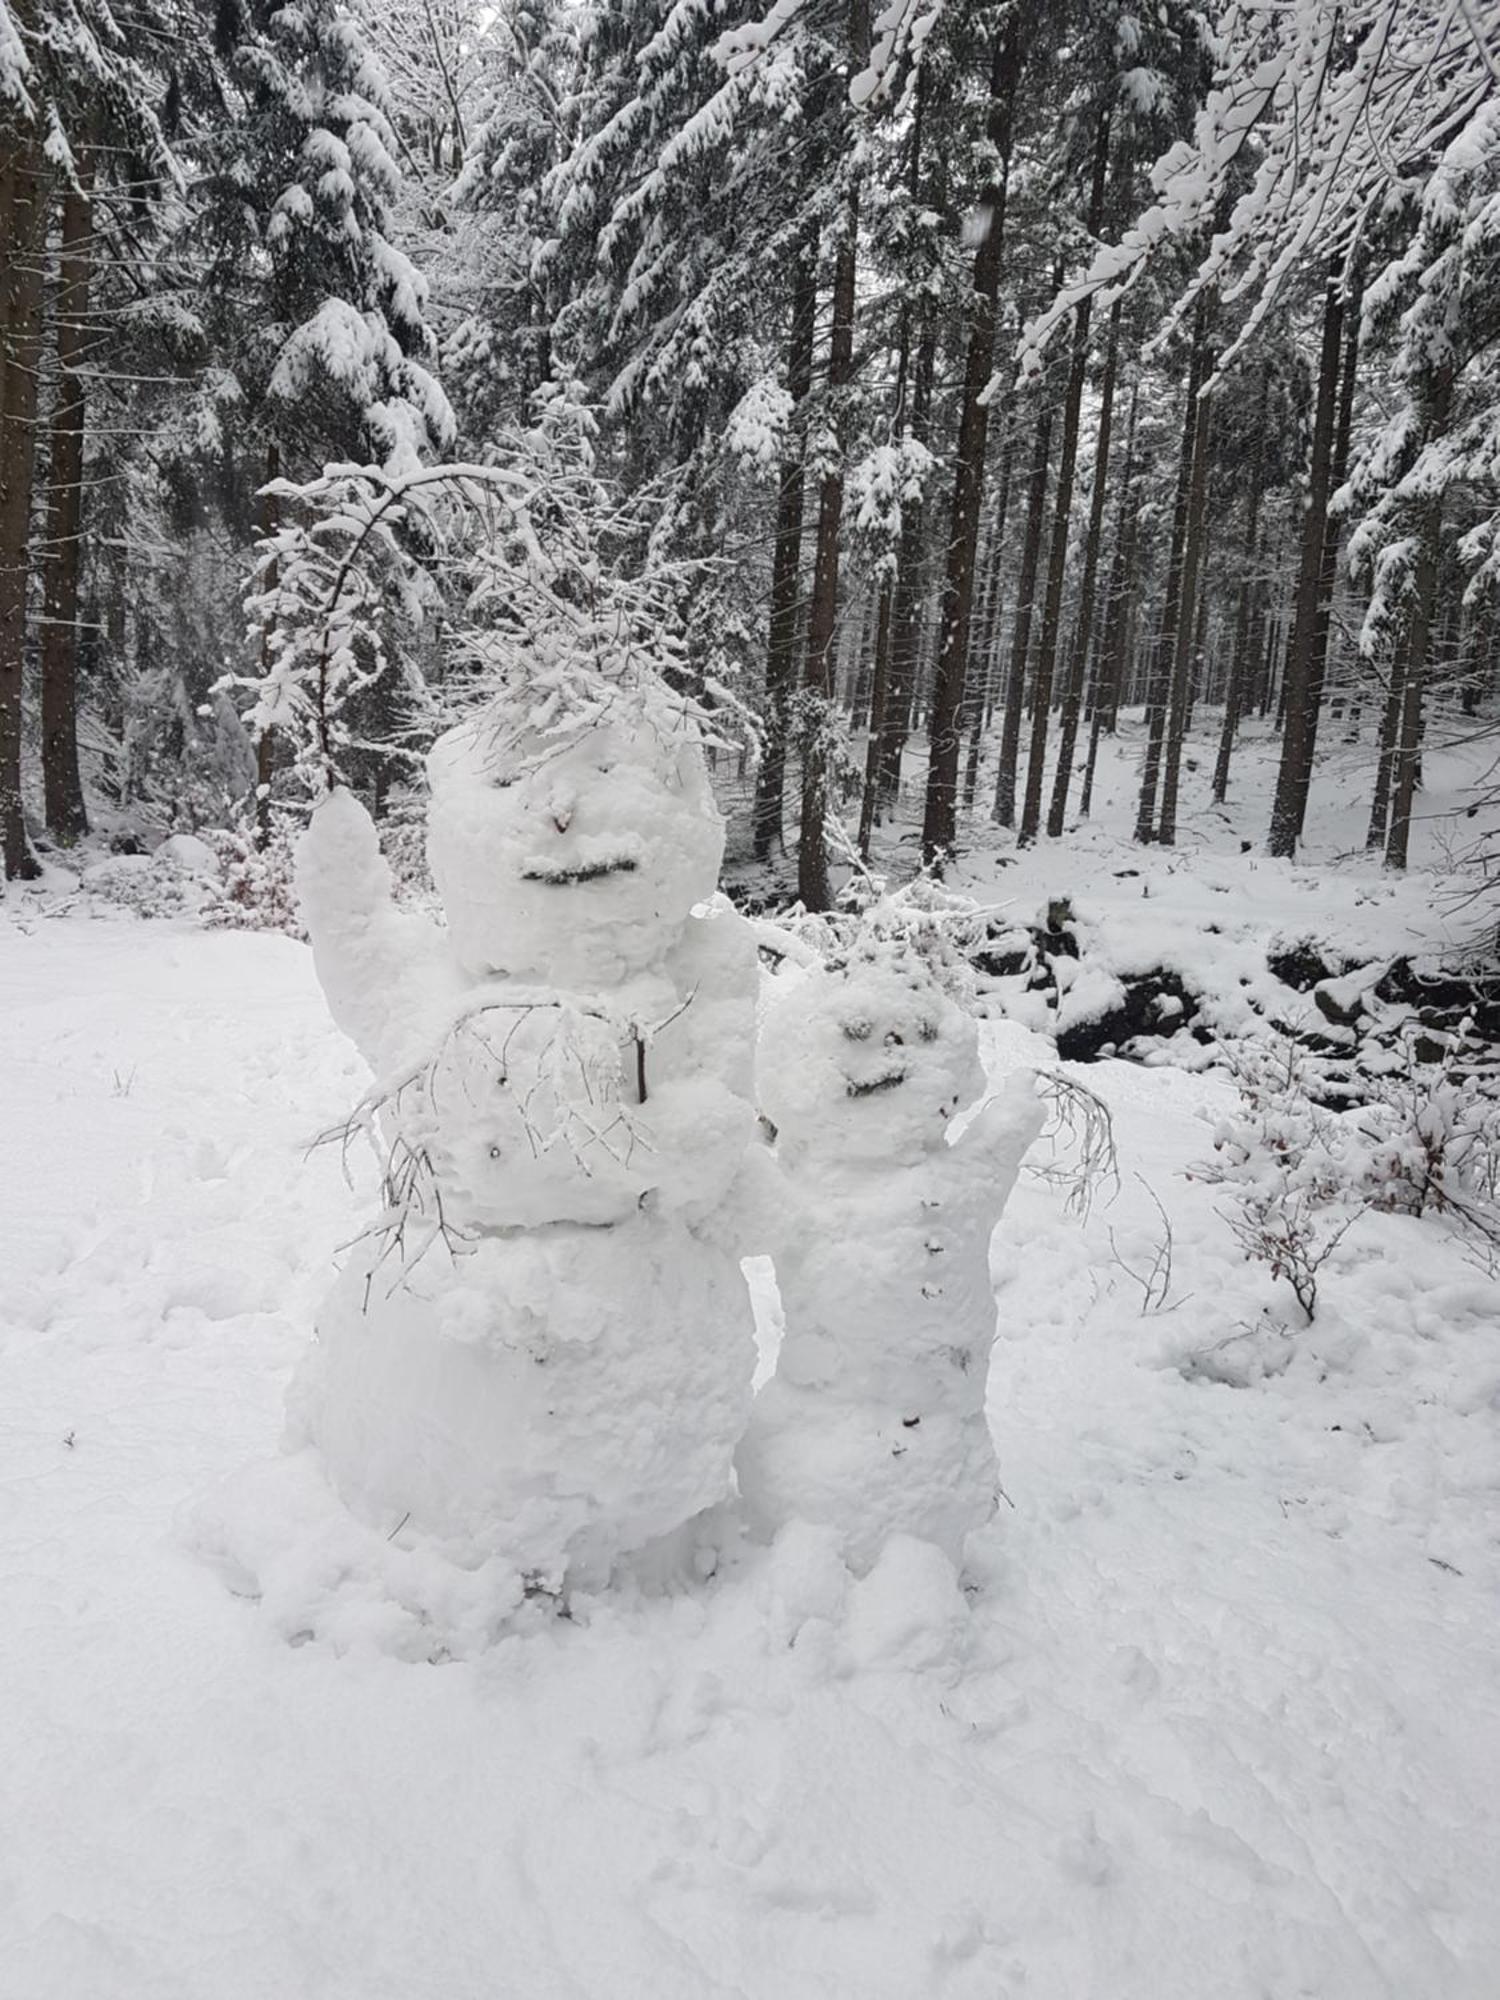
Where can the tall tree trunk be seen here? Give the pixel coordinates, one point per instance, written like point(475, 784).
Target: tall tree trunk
point(1191, 622)
point(66, 817)
point(1020, 643)
point(1406, 767)
point(944, 727)
point(1067, 743)
point(1160, 684)
point(1409, 740)
point(816, 722)
point(1117, 595)
point(1385, 762)
point(1239, 666)
point(906, 601)
point(1062, 513)
point(981, 698)
point(265, 743)
point(1294, 772)
point(869, 803)
point(24, 192)
point(786, 563)
point(1328, 568)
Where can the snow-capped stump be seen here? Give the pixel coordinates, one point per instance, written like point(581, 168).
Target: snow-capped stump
point(540, 1353)
point(873, 1422)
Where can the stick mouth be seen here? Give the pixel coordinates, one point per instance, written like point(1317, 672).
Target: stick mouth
point(871, 1086)
point(563, 874)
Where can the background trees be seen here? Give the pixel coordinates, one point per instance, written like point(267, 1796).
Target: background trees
point(975, 379)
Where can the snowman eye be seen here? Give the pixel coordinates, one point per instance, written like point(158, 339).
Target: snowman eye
point(927, 1030)
point(855, 1031)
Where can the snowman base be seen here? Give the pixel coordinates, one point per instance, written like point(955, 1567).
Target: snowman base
point(553, 1399)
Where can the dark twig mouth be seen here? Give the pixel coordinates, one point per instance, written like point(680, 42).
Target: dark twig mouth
point(869, 1086)
point(563, 873)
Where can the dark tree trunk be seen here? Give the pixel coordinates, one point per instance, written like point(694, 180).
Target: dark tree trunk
point(1193, 621)
point(66, 817)
point(1072, 705)
point(1159, 692)
point(1294, 774)
point(24, 195)
point(981, 698)
point(816, 722)
point(1062, 513)
point(944, 727)
point(906, 601)
point(265, 743)
point(786, 563)
point(1385, 763)
point(1328, 569)
point(1020, 643)
point(1117, 597)
point(1239, 666)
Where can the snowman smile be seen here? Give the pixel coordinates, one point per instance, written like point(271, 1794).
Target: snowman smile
point(867, 1086)
point(561, 873)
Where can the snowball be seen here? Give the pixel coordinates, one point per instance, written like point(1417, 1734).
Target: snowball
point(555, 1397)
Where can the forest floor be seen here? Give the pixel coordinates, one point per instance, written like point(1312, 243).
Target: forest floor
point(1222, 1721)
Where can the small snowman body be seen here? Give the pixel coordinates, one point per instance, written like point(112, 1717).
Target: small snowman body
point(873, 1422)
point(542, 1351)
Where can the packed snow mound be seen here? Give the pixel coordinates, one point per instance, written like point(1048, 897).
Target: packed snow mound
point(572, 853)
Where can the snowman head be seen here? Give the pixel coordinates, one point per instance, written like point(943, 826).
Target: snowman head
point(576, 850)
point(867, 1060)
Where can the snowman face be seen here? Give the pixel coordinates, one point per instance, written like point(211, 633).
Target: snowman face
point(868, 1061)
point(572, 857)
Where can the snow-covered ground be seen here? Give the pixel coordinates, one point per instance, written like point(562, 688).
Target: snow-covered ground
point(1222, 1719)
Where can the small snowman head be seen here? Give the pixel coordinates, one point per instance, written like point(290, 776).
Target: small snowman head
point(572, 850)
point(867, 1059)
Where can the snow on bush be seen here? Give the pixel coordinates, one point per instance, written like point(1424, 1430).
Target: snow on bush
point(177, 878)
point(1300, 1175)
point(256, 890)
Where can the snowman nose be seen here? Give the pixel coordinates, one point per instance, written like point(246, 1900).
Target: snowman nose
point(562, 807)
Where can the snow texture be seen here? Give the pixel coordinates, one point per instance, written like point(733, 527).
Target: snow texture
point(1221, 1721)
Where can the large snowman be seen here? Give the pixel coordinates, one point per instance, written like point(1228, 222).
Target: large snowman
point(873, 1423)
point(541, 1351)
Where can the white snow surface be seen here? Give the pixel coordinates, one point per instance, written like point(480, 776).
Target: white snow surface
point(1222, 1719)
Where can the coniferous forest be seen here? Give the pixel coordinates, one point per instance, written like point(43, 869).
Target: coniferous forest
point(749, 999)
point(937, 383)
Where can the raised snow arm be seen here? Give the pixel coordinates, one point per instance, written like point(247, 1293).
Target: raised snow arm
point(1005, 1127)
point(382, 969)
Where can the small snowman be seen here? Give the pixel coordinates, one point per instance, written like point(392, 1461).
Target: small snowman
point(541, 1352)
point(873, 1422)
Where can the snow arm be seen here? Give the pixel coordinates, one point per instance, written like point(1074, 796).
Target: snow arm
point(382, 969)
point(1002, 1131)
